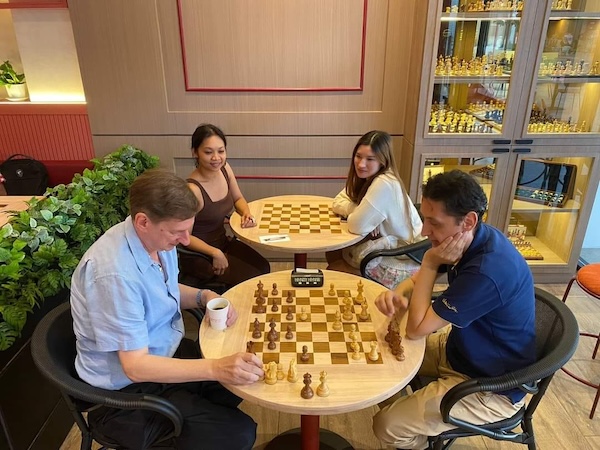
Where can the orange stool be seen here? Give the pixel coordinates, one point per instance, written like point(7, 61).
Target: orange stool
point(588, 279)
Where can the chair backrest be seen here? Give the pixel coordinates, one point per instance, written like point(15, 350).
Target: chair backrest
point(557, 335)
point(53, 350)
point(557, 332)
point(53, 346)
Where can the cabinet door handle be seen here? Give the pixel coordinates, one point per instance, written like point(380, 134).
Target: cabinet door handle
point(500, 141)
point(500, 150)
point(523, 141)
point(522, 150)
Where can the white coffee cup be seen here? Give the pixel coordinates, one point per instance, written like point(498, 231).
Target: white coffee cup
point(217, 310)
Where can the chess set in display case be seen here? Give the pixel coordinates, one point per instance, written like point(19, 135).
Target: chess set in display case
point(546, 182)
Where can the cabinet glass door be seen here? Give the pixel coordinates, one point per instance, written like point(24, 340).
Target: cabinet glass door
point(567, 91)
point(546, 207)
point(481, 168)
point(475, 54)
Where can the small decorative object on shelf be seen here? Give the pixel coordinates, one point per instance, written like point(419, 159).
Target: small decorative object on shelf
point(16, 88)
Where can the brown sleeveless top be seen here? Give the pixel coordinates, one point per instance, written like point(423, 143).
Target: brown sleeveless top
point(208, 225)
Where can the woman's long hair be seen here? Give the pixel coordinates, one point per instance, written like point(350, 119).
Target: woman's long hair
point(381, 144)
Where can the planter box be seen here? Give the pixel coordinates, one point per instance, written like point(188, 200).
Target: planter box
point(33, 415)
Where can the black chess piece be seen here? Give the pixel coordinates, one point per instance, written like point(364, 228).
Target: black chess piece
point(289, 315)
point(304, 357)
point(274, 308)
point(289, 334)
point(307, 391)
point(256, 331)
point(271, 345)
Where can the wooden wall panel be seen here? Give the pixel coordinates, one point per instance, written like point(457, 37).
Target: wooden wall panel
point(270, 45)
point(131, 62)
point(46, 132)
point(134, 75)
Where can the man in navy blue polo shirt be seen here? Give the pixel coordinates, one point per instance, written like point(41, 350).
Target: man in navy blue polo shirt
point(489, 304)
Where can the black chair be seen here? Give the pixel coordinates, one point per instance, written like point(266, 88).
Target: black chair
point(53, 350)
point(557, 335)
point(185, 278)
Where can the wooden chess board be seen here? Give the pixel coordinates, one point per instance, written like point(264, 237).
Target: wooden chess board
point(325, 345)
point(528, 251)
point(303, 218)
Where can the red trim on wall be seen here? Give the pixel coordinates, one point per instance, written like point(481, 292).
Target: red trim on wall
point(33, 4)
point(288, 177)
point(188, 88)
point(46, 132)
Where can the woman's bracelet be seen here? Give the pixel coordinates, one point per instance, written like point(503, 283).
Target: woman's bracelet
point(199, 299)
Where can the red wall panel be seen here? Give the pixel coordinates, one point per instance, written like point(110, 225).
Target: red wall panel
point(46, 132)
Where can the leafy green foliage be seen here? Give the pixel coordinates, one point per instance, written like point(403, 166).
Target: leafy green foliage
point(41, 246)
point(8, 75)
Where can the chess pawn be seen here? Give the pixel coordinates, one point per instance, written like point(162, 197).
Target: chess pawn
point(323, 388)
point(303, 315)
point(290, 315)
point(332, 290)
point(353, 334)
point(347, 312)
point(364, 312)
point(271, 373)
point(256, 333)
point(373, 354)
point(307, 391)
point(337, 323)
point(259, 286)
point(289, 334)
point(292, 375)
point(304, 357)
point(289, 298)
point(280, 374)
point(250, 347)
point(355, 351)
point(274, 308)
point(274, 291)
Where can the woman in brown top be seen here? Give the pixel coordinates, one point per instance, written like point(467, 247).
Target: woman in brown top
point(218, 193)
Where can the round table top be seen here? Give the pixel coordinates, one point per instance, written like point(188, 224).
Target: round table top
point(306, 221)
point(353, 385)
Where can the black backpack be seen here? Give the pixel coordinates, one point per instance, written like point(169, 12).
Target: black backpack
point(24, 175)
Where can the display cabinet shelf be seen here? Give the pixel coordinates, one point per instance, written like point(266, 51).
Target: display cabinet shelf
point(444, 79)
point(481, 15)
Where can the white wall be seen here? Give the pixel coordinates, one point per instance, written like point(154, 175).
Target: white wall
point(592, 235)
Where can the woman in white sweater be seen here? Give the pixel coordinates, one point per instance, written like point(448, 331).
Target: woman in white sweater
point(377, 205)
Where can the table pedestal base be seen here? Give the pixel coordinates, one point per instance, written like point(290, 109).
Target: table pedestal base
point(300, 260)
point(291, 440)
point(309, 437)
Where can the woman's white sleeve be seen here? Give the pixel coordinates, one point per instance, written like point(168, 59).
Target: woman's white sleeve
point(342, 204)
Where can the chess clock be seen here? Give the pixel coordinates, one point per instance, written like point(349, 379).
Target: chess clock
point(307, 278)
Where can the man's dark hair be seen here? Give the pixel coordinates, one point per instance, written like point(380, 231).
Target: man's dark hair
point(458, 192)
point(162, 195)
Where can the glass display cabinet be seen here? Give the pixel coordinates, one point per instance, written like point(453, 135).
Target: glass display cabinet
point(510, 93)
point(475, 54)
point(567, 87)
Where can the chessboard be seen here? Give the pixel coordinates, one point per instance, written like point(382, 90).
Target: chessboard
point(527, 251)
point(303, 218)
point(324, 344)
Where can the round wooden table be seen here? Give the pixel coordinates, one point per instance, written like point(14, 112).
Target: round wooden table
point(353, 384)
point(305, 222)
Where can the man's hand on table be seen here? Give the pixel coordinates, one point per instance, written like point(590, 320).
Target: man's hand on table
point(240, 368)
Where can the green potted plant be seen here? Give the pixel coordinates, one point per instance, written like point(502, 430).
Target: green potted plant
point(39, 250)
point(16, 86)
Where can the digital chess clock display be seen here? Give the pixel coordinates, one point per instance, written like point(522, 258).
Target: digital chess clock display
point(307, 277)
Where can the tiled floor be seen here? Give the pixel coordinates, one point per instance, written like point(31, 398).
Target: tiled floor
point(561, 421)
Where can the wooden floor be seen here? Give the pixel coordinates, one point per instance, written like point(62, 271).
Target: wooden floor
point(561, 421)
